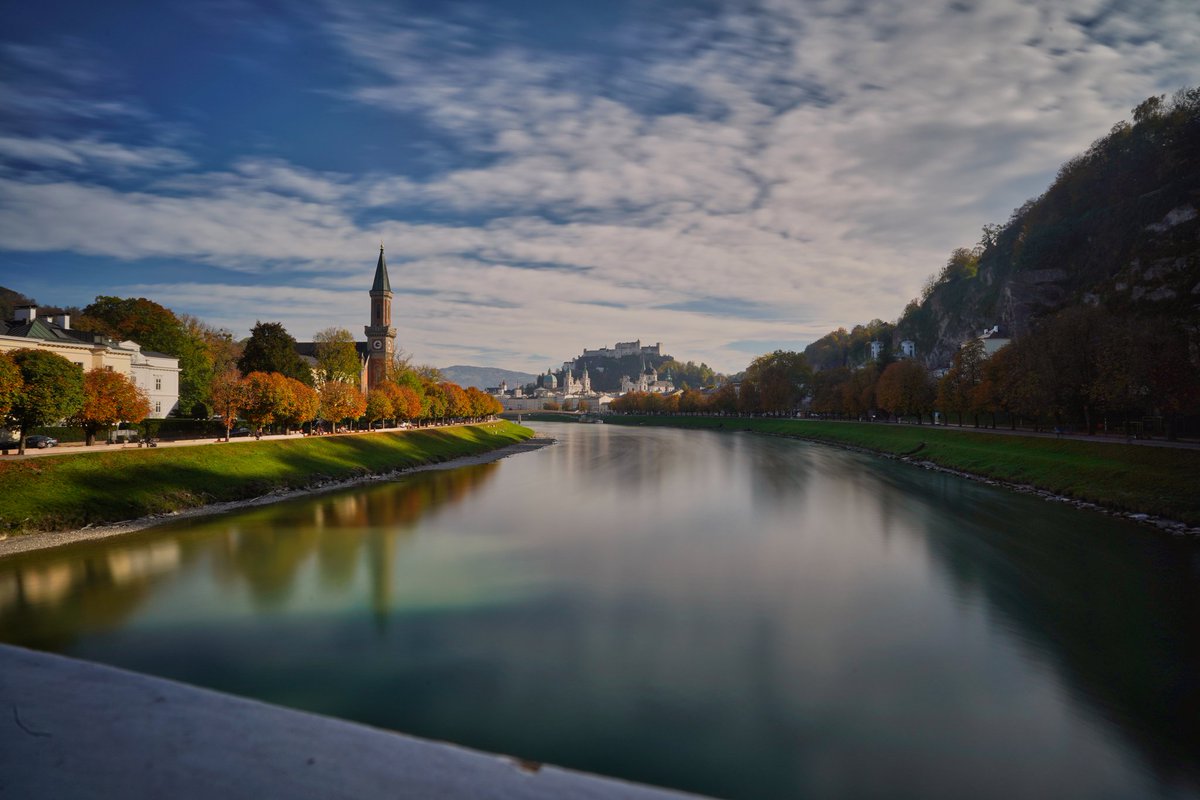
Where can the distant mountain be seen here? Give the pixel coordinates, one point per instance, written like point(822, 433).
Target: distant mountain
point(485, 377)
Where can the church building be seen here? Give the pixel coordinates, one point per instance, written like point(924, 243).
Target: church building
point(381, 336)
point(377, 352)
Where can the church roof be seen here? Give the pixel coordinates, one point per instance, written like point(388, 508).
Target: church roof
point(382, 284)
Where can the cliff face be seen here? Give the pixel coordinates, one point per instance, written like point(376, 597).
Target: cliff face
point(1119, 228)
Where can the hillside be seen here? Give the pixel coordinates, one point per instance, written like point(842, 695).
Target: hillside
point(485, 377)
point(1119, 228)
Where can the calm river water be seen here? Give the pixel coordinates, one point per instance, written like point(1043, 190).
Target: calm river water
point(724, 613)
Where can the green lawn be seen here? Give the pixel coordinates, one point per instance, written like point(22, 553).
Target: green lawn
point(1161, 481)
point(69, 491)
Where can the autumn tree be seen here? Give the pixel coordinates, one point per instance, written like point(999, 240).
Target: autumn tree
point(341, 401)
point(956, 391)
point(228, 393)
point(904, 389)
point(109, 398)
point(51, 391)
point(379, 405)
point(827, 390)
point(267, 398)
point(337, 355)
point(11, 384)
point(301, 406)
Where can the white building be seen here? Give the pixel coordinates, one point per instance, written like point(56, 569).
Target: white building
point(156, 373)
point(158, 376)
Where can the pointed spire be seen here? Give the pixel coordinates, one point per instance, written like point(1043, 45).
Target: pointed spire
point(382, 284)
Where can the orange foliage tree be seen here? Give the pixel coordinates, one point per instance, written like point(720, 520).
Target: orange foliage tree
point(109, 398)
point(228, 394)
point(267, 398)
point(11, 384)
point(341, 401)
point(301, 405)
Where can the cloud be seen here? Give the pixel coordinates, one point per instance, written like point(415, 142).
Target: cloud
point(746, 173)
point(90, 153)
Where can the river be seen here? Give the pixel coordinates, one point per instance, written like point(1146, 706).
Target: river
point(729, 614)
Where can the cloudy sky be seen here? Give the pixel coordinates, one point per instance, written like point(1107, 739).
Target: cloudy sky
point(726, 178)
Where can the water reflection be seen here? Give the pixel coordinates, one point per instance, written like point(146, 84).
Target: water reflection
point(46, 600)
point(730, 614)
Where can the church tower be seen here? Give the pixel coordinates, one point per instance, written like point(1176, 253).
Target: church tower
point(381, 336)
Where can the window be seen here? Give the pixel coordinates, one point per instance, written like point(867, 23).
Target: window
point(109, 368)
point(158, 383)
point(157, 407)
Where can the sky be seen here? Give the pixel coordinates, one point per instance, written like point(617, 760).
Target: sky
point(727, 178)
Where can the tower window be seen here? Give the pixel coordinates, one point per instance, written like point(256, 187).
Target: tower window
point(378, 313)
point(158, 383)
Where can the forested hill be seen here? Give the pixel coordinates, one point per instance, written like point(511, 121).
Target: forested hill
point(1119, 229)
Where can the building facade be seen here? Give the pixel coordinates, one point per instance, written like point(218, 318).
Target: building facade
point(157, 374)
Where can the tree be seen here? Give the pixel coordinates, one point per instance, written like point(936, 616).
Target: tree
point(109, 398)
point(337, 356)
point(956, 391)
point(11, 384)
point(904, 388)
point(268, 398)
point(301, 406)
point(379, 405)
point(827, 390)
point(271, 348)
point(52, 390)
point(406, 403)
point(228, 394)
point(341, 401)
point(458, 406)
point(154, 327)
point(781, 380)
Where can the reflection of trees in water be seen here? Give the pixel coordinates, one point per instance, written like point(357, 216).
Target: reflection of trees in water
point(1113, 608)
point(47, 600)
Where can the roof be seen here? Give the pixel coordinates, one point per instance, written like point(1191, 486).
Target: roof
point(48, 331)
point(310, 349)
point(382, 284)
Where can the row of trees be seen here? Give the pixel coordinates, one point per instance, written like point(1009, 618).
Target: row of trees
point(1077, 367)
point(264, 399)
point(38, 387)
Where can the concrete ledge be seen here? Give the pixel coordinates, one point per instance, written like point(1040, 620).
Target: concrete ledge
point(73, 729)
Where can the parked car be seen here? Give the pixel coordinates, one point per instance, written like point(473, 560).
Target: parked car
point(240, 432)
point(40, 442)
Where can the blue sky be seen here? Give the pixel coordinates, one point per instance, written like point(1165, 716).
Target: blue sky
point(547, 176)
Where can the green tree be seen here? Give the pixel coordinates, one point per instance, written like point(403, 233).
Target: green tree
point(52, 391)
point(271, 348)
point(337, 356)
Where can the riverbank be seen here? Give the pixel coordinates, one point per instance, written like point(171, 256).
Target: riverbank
point(56, 500)
point(1142, 482)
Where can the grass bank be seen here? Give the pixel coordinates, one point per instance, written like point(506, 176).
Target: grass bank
point(70, 491)
point(1160, 481)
